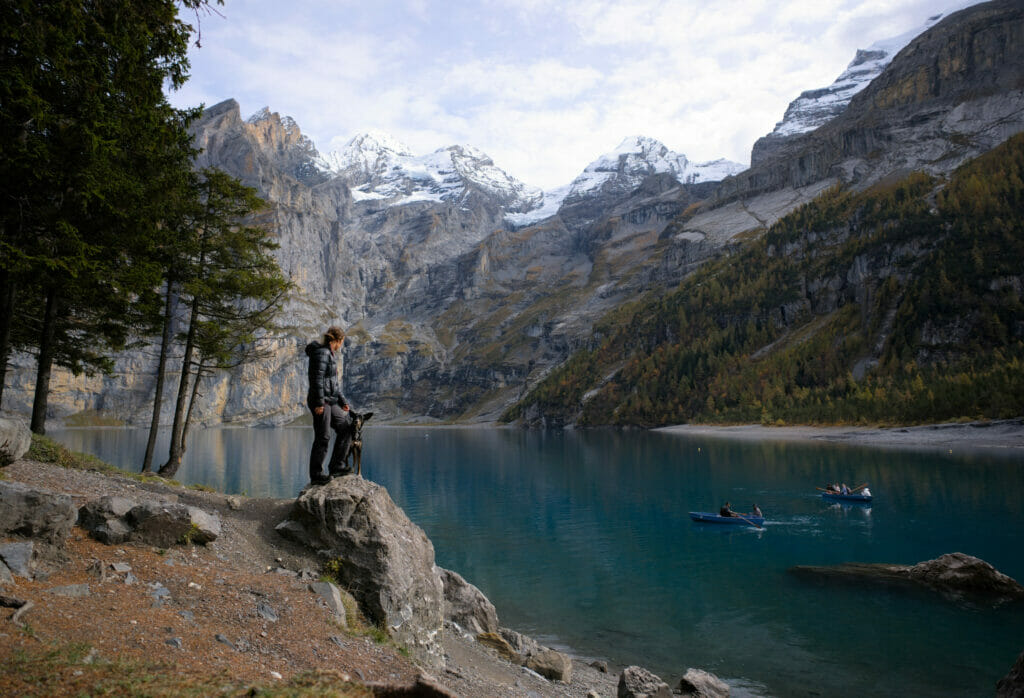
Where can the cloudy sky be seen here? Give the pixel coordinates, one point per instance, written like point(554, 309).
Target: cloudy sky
point(542, 86)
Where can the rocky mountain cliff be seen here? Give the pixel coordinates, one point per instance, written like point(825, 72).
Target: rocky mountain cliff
point(815, 108)
point(451, 304)
point(952, 93)
point(461, 288)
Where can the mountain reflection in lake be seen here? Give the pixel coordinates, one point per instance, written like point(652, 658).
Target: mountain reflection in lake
point(583, 540)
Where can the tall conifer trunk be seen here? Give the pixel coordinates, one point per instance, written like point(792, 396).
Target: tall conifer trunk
point(191, 407)
point(8, 296)
point(45, 363)
point(161, 373)
point(176, 450)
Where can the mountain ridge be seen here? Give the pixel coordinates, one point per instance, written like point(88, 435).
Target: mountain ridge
point(454, 311)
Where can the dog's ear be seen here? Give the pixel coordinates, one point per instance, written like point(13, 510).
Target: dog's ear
point(366, 416)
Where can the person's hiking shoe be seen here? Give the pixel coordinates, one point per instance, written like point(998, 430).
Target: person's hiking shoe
point(320, 479)
point(342, 473)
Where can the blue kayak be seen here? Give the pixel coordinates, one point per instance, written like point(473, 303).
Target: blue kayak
point(837, 497)
point(710, 517)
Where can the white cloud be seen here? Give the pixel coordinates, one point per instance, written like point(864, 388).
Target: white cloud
point(543, 87)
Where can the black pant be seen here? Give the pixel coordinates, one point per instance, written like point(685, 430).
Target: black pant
point(333, 417)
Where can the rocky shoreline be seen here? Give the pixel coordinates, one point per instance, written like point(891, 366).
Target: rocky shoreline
point(235, 585)
point(222, 584)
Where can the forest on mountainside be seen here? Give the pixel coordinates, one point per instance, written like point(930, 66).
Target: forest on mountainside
point(897, 305)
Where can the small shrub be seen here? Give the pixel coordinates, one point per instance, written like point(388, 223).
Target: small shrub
point(188, 536)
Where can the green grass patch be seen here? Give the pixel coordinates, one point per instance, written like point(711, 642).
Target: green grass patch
point(93, 418)
point(46, 450)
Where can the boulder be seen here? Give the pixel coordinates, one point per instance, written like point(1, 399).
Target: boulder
point(19, 558)
point(205, 526)
point(331, 595)
point(466, 605)
point(15, 440)
point(500, 645)
point(697, 683)
point(385, 560)
point(637, 682)
point(552, 665)
point(522, 644)
point(113, 520)
point(39, 514)
point(5, 574)
point(104, 519)
point(1012, 685)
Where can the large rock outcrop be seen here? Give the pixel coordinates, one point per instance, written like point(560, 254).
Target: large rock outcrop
point(380, 556)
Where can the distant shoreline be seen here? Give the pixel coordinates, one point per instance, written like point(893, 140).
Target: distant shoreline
point(1002, 435)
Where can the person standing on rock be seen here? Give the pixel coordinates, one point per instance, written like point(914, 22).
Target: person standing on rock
point(328, 405)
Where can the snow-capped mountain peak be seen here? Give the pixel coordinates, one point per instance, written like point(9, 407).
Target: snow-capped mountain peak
point(623, 169)
point(380, 167)
point(365, 156)
point(638, 157)
point(814, 108)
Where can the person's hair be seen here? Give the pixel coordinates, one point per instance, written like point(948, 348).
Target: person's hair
point(334, 334)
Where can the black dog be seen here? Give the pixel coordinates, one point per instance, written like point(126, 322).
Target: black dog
point(353, 442)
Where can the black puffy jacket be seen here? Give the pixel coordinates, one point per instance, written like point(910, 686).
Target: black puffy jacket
point(324, 388)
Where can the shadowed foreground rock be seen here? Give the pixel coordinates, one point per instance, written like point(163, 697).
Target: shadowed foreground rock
point(1012, 685)
point(35, 513)
point(954, 574)
point(384, 559)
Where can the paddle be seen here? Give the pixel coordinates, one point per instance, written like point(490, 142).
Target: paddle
point(759, 528)
point(855, 489)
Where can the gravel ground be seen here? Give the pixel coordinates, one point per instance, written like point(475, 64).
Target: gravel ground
point(239, 607)
point(1005, 436)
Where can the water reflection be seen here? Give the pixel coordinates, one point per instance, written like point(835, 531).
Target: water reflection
point(583, 539)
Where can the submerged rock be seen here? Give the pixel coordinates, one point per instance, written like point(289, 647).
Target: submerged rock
point(954, 574)
point(960, 572)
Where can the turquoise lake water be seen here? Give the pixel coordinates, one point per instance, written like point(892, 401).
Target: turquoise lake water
point(582, 540)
